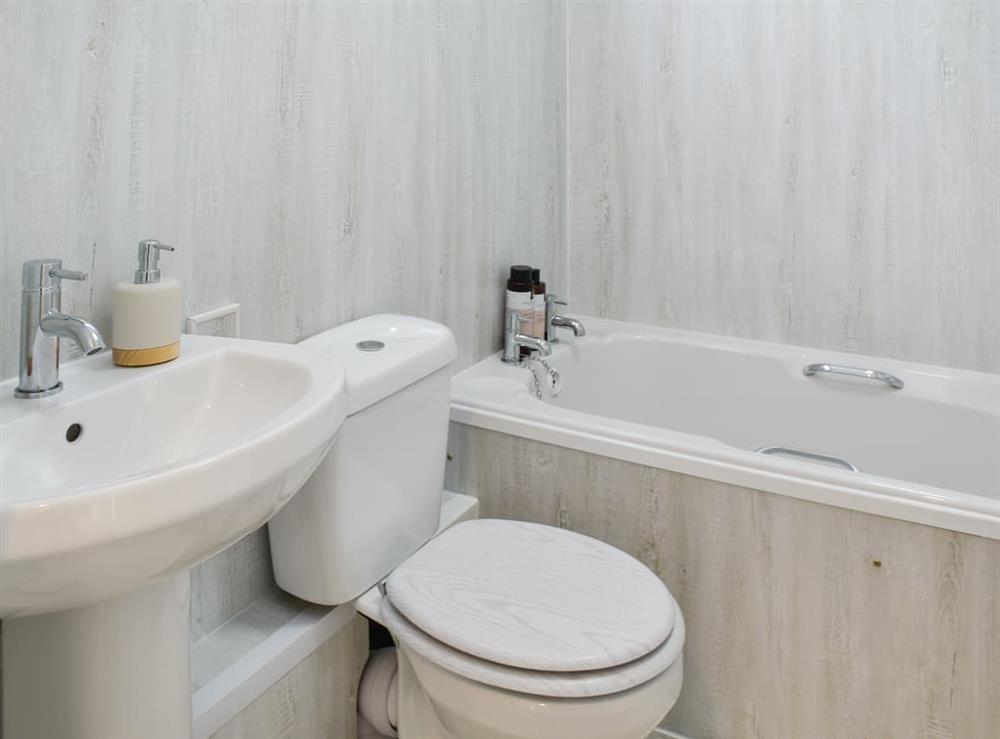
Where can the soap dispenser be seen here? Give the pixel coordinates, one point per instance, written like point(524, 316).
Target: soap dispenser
point(146, 322)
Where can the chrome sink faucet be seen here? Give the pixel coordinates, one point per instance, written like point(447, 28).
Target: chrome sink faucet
point(42, 325)
point(553, 320)
point(513, 340)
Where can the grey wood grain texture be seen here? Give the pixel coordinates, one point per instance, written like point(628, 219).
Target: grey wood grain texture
point(792, 629)
point(314, 161)
point(230, 582)
point(824, 174)
point(316, 700)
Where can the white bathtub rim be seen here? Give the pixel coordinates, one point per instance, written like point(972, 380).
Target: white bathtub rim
point(691, 455)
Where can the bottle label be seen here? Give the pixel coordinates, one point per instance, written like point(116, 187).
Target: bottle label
point(522, 304)
point(539, 331)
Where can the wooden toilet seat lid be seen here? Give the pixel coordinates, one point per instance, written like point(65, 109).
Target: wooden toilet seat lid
point(533, 597)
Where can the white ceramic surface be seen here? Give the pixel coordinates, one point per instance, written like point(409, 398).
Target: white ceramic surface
point(118, 669)
point(376, 497)
point(435, 703)
point(533, 597)
point(384, 353)
point(700, 404)
point(175, 462)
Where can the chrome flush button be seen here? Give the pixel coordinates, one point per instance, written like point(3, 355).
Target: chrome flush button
point(370, 345)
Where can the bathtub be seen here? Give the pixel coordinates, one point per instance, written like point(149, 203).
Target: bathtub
point(744, 413)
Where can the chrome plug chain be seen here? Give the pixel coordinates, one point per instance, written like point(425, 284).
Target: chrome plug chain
point(554, 381)
point(535, 382)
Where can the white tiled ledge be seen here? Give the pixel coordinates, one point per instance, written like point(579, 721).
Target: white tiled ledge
point(237, 663)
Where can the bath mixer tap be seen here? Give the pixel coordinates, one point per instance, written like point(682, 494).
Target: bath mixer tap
point(42, 325)
point(553, 320)
point(513, 340)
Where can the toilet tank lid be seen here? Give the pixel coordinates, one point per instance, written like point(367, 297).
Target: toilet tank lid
point(385, 353)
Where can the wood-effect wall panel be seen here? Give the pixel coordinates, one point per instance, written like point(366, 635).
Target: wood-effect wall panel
point(314, 161)
point(825, 174)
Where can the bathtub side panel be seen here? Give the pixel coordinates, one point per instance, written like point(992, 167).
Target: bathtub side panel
point(804, 619)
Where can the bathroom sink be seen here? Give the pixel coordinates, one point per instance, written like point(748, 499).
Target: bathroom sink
point(130, 475)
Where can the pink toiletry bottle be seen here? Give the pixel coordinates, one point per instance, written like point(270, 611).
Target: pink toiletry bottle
point(538, 298)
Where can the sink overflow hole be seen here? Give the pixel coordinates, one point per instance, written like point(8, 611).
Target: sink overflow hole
point(370, 345)
point(74, 432)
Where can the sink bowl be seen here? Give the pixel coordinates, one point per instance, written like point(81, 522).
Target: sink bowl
point(131, 475)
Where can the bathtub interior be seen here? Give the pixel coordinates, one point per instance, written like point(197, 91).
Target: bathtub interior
point(942, 429)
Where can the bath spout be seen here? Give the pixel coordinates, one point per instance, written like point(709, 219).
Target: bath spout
point(570, 323)
point(534, 344)
point(554, 320)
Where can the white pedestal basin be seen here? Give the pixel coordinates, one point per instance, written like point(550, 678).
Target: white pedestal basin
point(110, 492)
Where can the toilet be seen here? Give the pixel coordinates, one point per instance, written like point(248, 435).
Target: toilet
point(504, 629)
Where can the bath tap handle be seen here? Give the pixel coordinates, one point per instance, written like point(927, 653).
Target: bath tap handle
point(838, 369)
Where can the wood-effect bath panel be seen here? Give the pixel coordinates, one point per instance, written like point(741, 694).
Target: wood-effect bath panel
point(803, 620)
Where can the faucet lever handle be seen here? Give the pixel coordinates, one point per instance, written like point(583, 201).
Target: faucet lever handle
point(67, 274)
point(45, 274)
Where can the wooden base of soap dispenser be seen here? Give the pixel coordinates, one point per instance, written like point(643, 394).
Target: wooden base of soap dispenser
point(145, 357)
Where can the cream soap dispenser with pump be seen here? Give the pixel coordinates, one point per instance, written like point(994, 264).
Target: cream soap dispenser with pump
point(146, 319)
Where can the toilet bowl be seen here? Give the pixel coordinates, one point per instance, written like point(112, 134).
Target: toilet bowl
point(511, 630)
point(504, 629)
point(437, 704)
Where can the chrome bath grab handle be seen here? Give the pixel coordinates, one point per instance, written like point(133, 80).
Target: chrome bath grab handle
point(804, 454)
point(838, 369)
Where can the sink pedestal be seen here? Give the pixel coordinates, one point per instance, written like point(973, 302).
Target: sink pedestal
point(119, 669)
